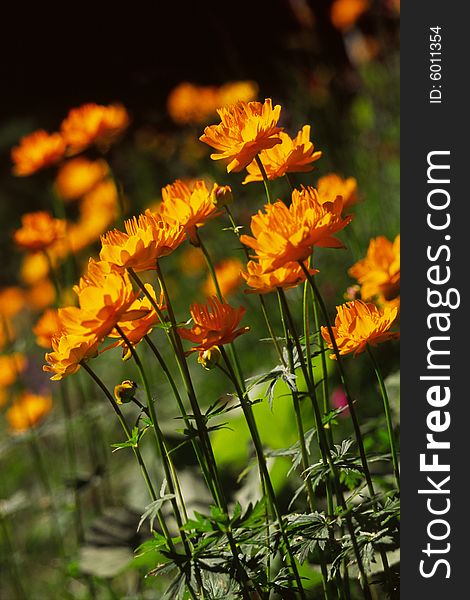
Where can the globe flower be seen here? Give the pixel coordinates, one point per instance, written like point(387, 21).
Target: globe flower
point(215, 324)
point(12, 301)
point(28, 411)
point(229, 277)
point(290, 156)
point(98, 210)
point(93, 124)
point(11, 366)
point(245, 129)
point(288, 276)
point(105, 297)
point(124, 391)
point(79, 176)
point(37, 151)
point(345, 13)
point(192, 104)
point(47, 327)
point(358, 324)
point(68, 351)
point(187, 205)
point(333, 185)
point(236, 91)
point(379, 272)
point(39, 231)
point(136, 329)
point(288, 234)
point(147, 238)
point(41, 294)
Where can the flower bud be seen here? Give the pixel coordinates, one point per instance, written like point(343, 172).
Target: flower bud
point(209, 358)
point(221, 195)
point(124, 392)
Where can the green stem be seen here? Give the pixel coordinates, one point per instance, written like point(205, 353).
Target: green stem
point(388, 415)
point(250, 419)
point(219, 495)
point(197, 445)
point(260, 296)
point(213, 274)
point(352, 410)
point(265, 178)
point(298, 419)
point(324, 447)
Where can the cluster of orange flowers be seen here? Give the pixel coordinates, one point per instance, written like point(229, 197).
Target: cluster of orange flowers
point(282, 238)
point(89, 124)
point(190, 104)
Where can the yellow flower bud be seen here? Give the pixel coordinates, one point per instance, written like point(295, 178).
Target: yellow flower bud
point(221, 195)
point(124, 392)
point(209, 358)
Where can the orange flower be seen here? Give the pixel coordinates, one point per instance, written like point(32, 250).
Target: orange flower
point(191, 261)
point(93, 124)
point(358, 324)
point(187, 205)
point(11, 365)
point(98, 210)
point(379, 272)
point(12, 300)
point(47, 327)
point(136, 329)
point(191, 104)
point(229, 277)
point(236, 91)
point(36, 151)
point(333, 185)
point(290, 156)
point(41, 294)
point(147, 238)
point(39, 231)
point(345, 13)
point(287, 276)
point(245, 129)
point(195, 104)
point(105, 297)
point(79, 176)
point(287, 234)
point(215, 324)
point(67, 353)
point(28, 411)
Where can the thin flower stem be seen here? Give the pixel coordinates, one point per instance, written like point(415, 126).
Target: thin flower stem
point(140, 460)
point(267, 186)
point(213, 274)
point(250, 419)
point(135, 449)
point(260, 296)
point(200, 422)
point(219, 495)
point(198, 446)
point(388, 415)
point(324, 447)
point(324, 379)
point(168, 467)
point(298, 419)
point(352, 410)
point(288, 179)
